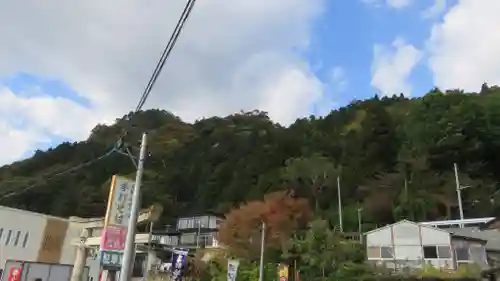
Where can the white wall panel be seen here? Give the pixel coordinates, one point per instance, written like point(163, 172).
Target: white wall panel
point(381, 237)
point(16, 220)
point(431, 236)
point(413, 252)
point(406, 233)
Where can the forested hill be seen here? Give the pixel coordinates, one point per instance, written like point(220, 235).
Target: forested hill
point(394, 156)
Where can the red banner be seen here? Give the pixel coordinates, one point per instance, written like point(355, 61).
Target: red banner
point(114, 238)
point(15, 273)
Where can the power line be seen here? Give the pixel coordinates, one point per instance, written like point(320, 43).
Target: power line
point(67, 171)
point(159, 66)
point(166, 52)
point(147, 91)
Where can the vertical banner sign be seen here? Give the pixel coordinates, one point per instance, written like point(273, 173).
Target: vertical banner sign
point(232, 269)
point(283, 272)
point(179, 260)
point(15, 273)
point(116, 222)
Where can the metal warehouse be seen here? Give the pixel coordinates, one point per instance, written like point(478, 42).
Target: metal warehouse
point(406, 244)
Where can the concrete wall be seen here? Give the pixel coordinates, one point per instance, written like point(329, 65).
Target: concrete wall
point(28, 236)
point(28, 224)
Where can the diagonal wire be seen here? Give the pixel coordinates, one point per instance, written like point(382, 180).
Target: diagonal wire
point(67, 171)
point(166, 53)
point(120, 143)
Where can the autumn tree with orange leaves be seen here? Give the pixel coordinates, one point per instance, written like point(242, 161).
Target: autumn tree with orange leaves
point(282, 213)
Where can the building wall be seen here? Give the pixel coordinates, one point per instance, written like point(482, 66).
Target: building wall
point(28, 236)
point(495, 224)
point(31, 226)
point(467, 251)
point(406, 244)
point(69, 250)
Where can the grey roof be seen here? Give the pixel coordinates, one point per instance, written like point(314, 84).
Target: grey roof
point(492, 237)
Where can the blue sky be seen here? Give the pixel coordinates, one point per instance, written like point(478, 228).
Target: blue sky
point(73, 68)
point(344, 36)
point(347, 33)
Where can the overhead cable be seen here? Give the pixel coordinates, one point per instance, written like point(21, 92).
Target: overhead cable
point(166, 53)
point(120, 143)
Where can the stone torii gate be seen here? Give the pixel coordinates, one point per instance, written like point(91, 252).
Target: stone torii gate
point(87, 240)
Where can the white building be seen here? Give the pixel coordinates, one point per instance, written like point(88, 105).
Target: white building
point(406, 244)
point(42, 240)
point(37, 238)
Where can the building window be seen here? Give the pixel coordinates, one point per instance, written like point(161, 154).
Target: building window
point(373, 252)
point(478, 254)
point(182, 224)
point(16, 240)
point(9, 234)
point(430, 252)
point(386, 252)
point(205, 220)
point(197, 223)
point(25, 240)
point(218, 223)
point(190, 223)
point(462, 254)
point(444, 252)
point(188, 238)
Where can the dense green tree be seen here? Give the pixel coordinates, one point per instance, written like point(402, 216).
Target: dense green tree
point(322, 254)
point(394, 156)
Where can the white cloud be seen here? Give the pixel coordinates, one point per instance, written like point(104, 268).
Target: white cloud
point(392, 67)
point(14, 142)
point(464, 46)
point(233, 55)
point(26, 121)
point(335, 84)
point(435, 10)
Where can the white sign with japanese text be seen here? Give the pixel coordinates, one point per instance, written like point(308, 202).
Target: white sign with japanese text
point(121, 201)
point(232, 269)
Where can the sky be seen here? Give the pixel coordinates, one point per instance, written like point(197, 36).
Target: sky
point(66, 66)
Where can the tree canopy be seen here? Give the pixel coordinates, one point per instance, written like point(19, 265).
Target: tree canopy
point(394, 157)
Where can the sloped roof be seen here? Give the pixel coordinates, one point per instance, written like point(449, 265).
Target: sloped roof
point(459, 233)
point(408, 222)
point(492, 237)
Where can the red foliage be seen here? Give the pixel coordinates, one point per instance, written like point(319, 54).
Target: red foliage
point(282, 213)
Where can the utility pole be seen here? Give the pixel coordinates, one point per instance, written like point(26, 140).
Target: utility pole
point(150, 256)
point(198, 234)
point(360, 228)
point(262, 241)
point(459, 194)
point(340, 204)
point(128, 253)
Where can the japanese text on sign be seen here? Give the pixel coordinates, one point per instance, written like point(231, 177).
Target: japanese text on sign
point(121, 203)
point(232, 269)
point(111, 259)
point(178, 264)
point(114, 238)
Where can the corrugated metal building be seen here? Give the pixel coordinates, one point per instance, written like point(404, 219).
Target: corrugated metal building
point(406, 244)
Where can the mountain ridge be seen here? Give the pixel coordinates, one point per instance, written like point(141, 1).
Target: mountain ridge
point(394, 156)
